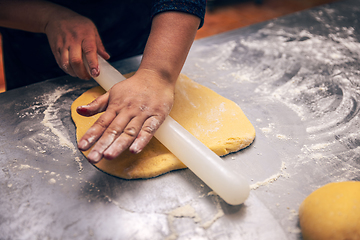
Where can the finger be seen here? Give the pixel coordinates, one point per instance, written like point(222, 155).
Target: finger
point(125, 139)
point(76, 62)
point(56, 44)
point(64, 62)
point(147, 132)
point(96, 130)
point(112, 132)
point(105, 55)
point(90, 52)
point(97, 106)
point(56, 52)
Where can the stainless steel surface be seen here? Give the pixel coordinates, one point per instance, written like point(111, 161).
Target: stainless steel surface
point(297, 80)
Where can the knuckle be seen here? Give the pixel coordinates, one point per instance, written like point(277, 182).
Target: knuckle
point(76, 61)
point(130, 131)
point(101, 123)
point(129, 104)
point(89, 48)
point(143, 108)
point(149, 129)
point(152, 126)
point(113, 132)
point(95, 102)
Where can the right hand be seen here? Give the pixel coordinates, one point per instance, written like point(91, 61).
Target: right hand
point(72, 36)
point(133, 110)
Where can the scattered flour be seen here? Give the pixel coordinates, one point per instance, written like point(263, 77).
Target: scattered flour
point(218, 215)
point(188, 211)
point(52, 181)
point(52, 121)
point(318, 146)
point(51, 133)
point(77, 159)
point(268, 129)
point(212, 193)
point(184, 211)
point(270, 179)
point(282, 137)
point(26, 166)
point(293, 215)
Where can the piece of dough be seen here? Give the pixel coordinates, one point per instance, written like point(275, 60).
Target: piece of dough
point(332, 212)
point(216, 121)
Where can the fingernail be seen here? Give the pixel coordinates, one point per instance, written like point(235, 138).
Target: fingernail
point(82, 110)
point(94, 156)
point(95, 72)
point(83, 144)
point(134, 148)
point(135, 151)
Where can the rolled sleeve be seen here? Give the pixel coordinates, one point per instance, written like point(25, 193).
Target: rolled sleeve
point(195, 7)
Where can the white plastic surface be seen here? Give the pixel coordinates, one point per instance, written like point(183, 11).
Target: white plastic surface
point(109, 76)
point(208, 166)
point(203, 162)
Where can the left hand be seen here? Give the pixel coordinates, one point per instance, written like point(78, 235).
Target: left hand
point(72, 36)
point(134, 109)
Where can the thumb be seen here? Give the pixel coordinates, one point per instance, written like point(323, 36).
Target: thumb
point(97, 106)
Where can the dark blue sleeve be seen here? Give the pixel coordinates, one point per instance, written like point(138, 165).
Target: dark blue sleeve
point(195, 7)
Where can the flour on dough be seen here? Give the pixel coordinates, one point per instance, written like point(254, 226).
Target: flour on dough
point(216, 121)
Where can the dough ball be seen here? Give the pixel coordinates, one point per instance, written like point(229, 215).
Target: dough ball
point(332, 212)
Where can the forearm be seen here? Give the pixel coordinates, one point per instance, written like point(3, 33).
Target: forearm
point(171, 37)
point(29, 15)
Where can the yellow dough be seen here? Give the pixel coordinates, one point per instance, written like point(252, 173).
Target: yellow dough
point(332, 212)
point(216, 121)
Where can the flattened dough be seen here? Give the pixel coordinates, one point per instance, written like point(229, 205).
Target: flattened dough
point(216, 121)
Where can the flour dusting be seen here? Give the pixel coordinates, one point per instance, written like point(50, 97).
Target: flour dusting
point(219, 214)
point(52, 121)
point(271, 179)
point(315, 76)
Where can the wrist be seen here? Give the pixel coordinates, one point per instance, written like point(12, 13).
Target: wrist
point(160, 75)
point(57, 13)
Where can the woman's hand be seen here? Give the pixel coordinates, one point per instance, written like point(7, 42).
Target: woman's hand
point(134, 110)
point(70, 34)
point(72, 37)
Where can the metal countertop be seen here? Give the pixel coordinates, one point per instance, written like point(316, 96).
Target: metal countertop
point(297, 80)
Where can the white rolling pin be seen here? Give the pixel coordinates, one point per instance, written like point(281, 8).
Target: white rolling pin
point(203, 162)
